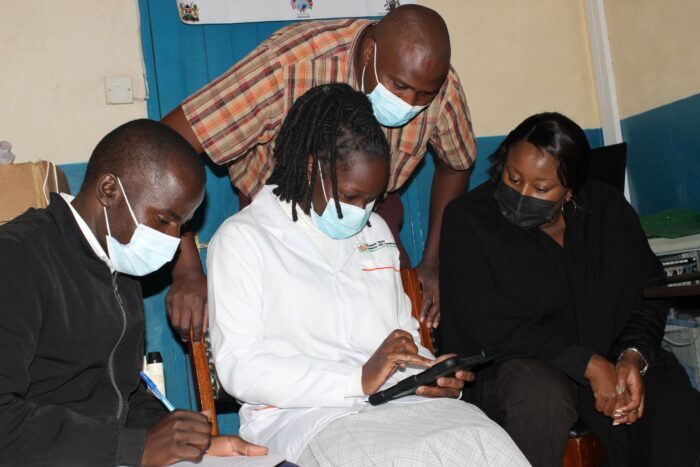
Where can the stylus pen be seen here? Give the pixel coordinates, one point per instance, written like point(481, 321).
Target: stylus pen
point(154, 389)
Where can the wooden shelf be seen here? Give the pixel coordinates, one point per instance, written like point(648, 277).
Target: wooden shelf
point(673, 291)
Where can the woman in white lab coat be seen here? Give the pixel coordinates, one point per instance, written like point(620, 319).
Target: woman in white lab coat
point(308, 314)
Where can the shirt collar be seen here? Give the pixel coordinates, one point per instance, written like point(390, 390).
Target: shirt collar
point(304, 219)
point(87, 233)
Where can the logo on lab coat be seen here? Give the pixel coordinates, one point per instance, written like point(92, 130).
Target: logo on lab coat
point(376, 246)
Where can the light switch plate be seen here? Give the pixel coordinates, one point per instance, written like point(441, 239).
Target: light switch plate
point(118, 90)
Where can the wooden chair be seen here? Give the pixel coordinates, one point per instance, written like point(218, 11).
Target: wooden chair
point(583, 449)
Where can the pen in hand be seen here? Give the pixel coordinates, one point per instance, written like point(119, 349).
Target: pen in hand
point(154, 389)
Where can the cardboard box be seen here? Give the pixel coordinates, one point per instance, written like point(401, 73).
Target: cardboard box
point(27, 185)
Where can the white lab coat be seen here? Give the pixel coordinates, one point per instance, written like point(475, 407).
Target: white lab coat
point(289, 329)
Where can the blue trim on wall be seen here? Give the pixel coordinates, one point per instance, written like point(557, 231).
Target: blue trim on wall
point(664, 156)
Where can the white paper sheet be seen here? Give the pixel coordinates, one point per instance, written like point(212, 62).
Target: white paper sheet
point(237, 461)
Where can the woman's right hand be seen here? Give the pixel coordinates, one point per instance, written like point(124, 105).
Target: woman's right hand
point(397, 350)
point(603, 378)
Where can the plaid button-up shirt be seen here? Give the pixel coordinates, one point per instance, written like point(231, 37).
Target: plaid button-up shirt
point(237, 116)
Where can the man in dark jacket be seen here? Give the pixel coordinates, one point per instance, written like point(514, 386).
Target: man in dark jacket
point(71, 312)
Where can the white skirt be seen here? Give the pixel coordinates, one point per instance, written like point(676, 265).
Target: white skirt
point(443, 432)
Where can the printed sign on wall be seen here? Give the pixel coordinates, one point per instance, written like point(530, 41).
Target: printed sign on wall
point(249, 11)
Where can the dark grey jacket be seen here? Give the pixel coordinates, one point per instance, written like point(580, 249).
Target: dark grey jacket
point(69, 353)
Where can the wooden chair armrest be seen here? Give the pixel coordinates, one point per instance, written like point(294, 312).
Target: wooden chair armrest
point(202, 375)
point(411, 285)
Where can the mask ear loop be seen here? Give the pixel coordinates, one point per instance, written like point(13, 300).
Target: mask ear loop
point(109, 232)
point(362, 78)
point(375, 63)
point(323, 185)
point(362, 84)
point(128, 205)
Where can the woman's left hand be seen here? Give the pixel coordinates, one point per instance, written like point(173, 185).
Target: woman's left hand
point(630, 389)
point(447, 386)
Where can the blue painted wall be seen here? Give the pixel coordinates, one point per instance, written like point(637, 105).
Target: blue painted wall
point(182, 58)
point(664, 156)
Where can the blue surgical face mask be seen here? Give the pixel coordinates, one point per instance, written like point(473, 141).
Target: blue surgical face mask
point(389, 109)
point(147, 251)
point(353, 221)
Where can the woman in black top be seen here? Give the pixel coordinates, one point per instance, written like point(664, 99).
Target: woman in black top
point(550, 268)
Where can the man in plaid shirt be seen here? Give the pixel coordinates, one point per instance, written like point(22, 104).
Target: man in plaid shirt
point(403, 64)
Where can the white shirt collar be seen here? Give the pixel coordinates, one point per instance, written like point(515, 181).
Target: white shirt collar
point(87, 233)
point(307, 223)
point(326, 245)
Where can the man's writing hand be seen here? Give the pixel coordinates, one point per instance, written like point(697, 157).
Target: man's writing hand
point(180, 435)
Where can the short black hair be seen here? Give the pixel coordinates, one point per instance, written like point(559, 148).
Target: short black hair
point(329, 122)
point(555, 134)
point(142, 149)
point(416, 24)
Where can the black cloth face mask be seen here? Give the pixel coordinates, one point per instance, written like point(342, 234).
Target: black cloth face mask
point(524, 211)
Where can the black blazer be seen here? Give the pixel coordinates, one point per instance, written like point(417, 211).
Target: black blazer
point(519, 290)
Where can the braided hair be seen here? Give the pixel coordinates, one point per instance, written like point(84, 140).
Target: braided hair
point(329, 122)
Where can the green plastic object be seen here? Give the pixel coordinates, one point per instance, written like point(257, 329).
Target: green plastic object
point(673, 223)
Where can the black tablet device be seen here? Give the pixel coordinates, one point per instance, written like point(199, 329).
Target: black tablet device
point(425, 378)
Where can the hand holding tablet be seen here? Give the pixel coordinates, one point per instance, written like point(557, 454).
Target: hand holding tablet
point(447, 367)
